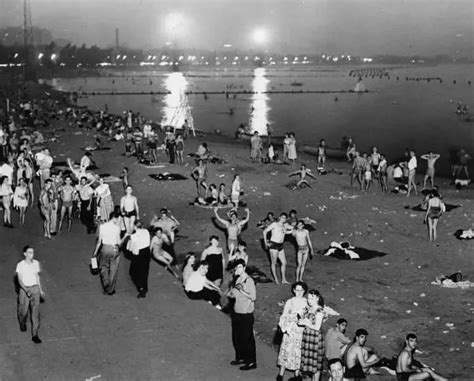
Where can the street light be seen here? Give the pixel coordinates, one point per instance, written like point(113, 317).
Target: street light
point(260, 35)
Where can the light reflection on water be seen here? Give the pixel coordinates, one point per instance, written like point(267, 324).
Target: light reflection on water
point(259, 103)
point(175, 104)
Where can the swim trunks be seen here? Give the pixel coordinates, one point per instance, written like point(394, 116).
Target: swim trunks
point(303, 249)
point(275, 246)
point(355, 372)
point(67, 204)
point(130, 214)
point(404, 376)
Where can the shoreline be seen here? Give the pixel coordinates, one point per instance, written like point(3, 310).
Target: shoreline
point(376, 294)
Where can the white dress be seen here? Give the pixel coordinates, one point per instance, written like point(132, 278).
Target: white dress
point(20, 199)
point(292, 149)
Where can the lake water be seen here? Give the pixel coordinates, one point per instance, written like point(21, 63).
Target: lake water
point(394, 115)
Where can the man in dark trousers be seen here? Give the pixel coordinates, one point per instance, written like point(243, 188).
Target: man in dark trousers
point(244, 293)
point(139, 247)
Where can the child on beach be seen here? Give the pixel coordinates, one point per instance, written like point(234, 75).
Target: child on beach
point(303, 172)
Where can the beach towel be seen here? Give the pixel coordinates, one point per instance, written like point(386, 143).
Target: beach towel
point(257, 275)
point(464, 234)
point(344, 250)
point(167, 176)
point(449, 283)
point(91, 148)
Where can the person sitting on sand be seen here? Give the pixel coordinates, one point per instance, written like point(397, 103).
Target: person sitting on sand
point(303, 172)
point(188, 267)
point(430, 171)
point(233, 227)
point(239, 253)
point(167, 223)
point(203, 152)
point(160, 254)
point(335, 341)
point(198, 287)
point(357, 357)
point(408, 369)
point(199, 174)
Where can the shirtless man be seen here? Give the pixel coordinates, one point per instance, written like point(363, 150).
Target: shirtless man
point(357, 358)
point(303, 172)
point(199, 174)
point(430, 171)
point(358, 169)
point(46, 207)
point(160, 254)
point(129, 209)
point(234, 227)
point(304, 248)
point(406, 368)
point(67, 195)
point(278, 230)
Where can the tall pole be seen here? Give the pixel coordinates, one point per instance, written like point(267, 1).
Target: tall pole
point(25, 40)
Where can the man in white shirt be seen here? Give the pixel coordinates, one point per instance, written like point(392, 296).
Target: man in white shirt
point(30, 292)
point(45, 162)
point(6, 170)
point(139, 247)
point(108, 243)
point(412, 164)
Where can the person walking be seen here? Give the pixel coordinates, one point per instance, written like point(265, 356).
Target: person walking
point(434, 210)
point(242, 317)
point(108, 244)
point(139, 246)
point(30, 292)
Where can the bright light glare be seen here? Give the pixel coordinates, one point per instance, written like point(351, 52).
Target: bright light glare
point(174, 21)
point(260, 36)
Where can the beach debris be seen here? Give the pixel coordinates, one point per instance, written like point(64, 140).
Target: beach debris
point(422, 294)
point(94, 377)
point(343, 299)
point(383, 337)
point(415, 304)
point(408, 311)
point(437, 318)
point(472, 344)
point(449, 325)
point(445, 332)
point(267, 194)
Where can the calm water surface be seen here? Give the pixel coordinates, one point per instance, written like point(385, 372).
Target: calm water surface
point(395, 114)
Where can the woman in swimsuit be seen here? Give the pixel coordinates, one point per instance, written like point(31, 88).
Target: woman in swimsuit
point(67, 194)
point(20, 199)
point(222, 197)
point(304, 248)
point(180, 149)
point(434, 211)
point(129, 209)
point(214, 255)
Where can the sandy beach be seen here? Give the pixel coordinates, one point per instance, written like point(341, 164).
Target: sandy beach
point(389, 296)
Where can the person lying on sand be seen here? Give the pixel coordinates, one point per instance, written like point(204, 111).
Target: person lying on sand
point(303, 172)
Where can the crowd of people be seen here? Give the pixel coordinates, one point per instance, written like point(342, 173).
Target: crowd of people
point(218, 274)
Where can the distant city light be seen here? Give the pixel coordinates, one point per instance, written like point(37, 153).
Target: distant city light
point(16, 55)
point(40, 56)
point(54, 57)
point(227, 45)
